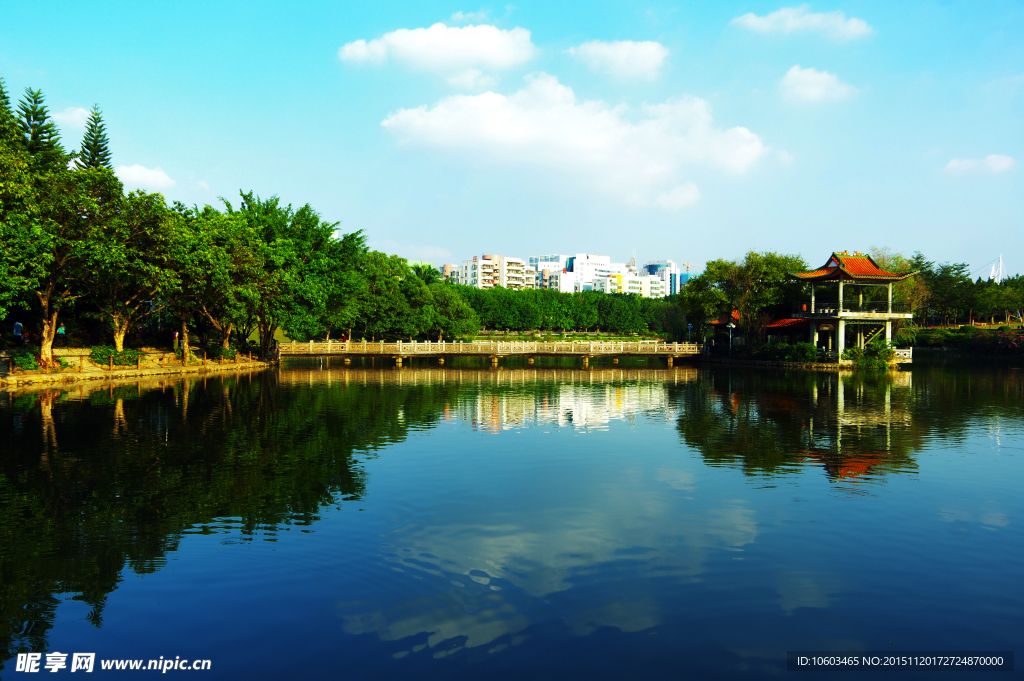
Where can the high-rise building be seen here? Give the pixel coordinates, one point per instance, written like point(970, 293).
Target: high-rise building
point(668, 271)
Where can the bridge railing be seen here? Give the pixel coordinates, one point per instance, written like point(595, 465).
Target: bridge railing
point(488, 347)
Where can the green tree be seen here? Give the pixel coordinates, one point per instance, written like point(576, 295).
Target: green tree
point(757, 286)
point(950, 290)
point(294, 287)
point(39, 134)
point(95, 151)
point(428, 274)
point(382, 304)
point(130, 263)
point(60, 232)
point(702, 302)
point(453, 316)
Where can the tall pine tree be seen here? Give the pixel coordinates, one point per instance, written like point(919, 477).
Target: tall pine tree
point(95, 150)
point(8, 124)
point(39, 134)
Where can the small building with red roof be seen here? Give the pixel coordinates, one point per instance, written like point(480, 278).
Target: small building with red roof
point(845, 292)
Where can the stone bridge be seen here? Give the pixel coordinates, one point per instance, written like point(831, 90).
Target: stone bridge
point(400, 350)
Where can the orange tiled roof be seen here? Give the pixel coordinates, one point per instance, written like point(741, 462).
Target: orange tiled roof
point(844, 266)
point(784, 323)
point(724, 319)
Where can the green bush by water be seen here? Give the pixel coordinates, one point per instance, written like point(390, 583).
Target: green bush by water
point(101, 354)
point(25, 360)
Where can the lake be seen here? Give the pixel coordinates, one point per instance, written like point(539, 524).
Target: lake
point(319, 521)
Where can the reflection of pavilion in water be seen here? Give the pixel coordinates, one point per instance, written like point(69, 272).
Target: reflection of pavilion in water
point(515, 398)
point(866, 434)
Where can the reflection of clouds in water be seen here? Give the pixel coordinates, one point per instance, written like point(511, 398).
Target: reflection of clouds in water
point(505, 570)
point(806, 590)
point(676, 478)
point(479, 619)
point(990, 519)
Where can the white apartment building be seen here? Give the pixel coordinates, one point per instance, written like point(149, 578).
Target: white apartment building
point(488, 271)
point(644, 285)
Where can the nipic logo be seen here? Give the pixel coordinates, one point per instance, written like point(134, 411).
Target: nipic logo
point(55, 661)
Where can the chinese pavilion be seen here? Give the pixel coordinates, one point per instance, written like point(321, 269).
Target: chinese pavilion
point(836, 307)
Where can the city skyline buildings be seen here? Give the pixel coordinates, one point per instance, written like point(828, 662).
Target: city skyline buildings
point(568, 274)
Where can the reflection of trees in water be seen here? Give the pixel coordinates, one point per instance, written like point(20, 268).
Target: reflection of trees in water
point(152, 463)
point(771, 422)
point(852, 425)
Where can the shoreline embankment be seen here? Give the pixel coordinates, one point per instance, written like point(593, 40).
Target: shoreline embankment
point(84, 370)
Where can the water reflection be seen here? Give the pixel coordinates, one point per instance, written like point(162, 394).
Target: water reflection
point(619, 529)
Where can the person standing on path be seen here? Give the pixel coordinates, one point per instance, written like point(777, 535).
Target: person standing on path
point(19, 339)
point(175, 341)
point(60, 335)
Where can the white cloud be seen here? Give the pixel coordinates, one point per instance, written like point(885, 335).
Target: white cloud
point(445, 48)
point(993, 163)
point(798, 19)
point(472, 79)
point(463, 17)
point(72, 117)
point(637, 157)
point(141, 177)
point(623, 58)
point(811, 85)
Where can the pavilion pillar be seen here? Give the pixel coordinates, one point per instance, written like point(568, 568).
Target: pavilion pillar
point(812, 297)
point(888, 329)
point(814, 328)
point(841, 334)
point(890, 300)
point(840, 295)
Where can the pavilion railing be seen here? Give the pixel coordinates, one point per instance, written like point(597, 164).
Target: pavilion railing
point(803, 309)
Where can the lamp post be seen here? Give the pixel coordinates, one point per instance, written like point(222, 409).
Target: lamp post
point(730, 326)
point(689, 328)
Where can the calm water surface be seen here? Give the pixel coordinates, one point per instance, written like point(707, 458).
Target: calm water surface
point(323, 522)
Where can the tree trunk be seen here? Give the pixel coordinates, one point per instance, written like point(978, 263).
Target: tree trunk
point(184, 344)
point(267, 331)
point(46, 340)
point(120, 325)
point(225, 335)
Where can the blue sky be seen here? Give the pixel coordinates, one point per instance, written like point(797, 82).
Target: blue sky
point(687, 131)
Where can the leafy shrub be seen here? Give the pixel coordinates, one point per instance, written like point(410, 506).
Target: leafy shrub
point(878, 355)
point(64, 364)
point(25, 360)
point(101, 354)
point(784, 352)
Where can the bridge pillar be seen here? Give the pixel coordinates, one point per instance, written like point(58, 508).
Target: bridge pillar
point(529, 360)
point(494, 360)
point(615, 360)
point(670, 358)
point(440, 360)
point(586, 361)
point(398, 361)
point(348, 360)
